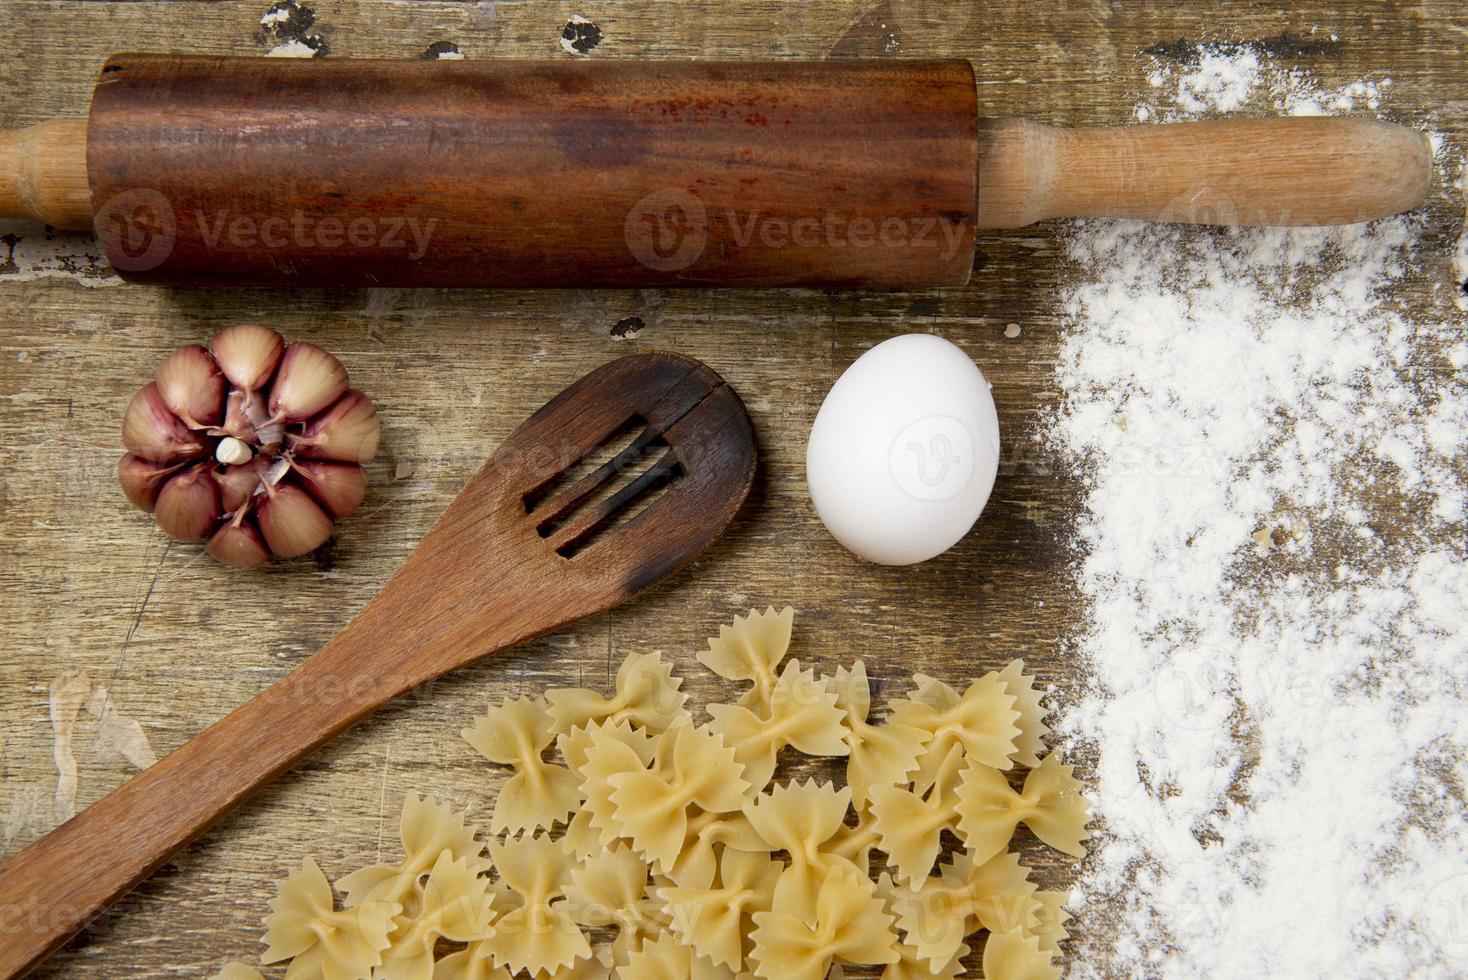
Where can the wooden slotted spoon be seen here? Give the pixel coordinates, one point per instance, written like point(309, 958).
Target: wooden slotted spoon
point(516, 555)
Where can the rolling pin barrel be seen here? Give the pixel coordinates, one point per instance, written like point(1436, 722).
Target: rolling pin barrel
point(205, 170)
point(566, 174)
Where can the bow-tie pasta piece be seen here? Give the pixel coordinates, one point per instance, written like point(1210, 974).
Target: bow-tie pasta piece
point(540, 793)
point(910, 822)
point(983, 720)
point(850, 924)
point(803, 819)
point(936, 918)
point(715, 921)
point(609, 751)
point(910, 965)
point(305, 927)
point(802, 714)
point(881, 755)
point(1051, 805)
point(537, 935)
point(1030, 742)
point(1016, 956)
point(693, 767)
point(427, 829)
point(575, 744)
point(750, 650)
point(456, 906)
point(611, 890)
point(646, 694)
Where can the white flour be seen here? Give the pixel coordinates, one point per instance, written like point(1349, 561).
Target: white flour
point(1274, 571)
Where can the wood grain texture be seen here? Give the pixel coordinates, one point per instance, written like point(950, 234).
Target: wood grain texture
point(91, 585)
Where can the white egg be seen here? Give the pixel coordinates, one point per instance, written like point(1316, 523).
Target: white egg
point(904, 451)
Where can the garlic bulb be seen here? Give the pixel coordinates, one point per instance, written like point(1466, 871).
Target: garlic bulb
point(250, 444)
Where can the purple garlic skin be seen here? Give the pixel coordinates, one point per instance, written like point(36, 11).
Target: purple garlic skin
point(250, 444)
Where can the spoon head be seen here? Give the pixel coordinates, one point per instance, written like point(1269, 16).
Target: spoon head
point(615, 484)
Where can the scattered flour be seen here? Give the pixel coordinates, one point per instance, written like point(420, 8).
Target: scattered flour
point(1228, 81)
point(1274, 449)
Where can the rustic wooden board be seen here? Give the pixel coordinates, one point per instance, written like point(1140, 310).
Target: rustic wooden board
point(91, 586)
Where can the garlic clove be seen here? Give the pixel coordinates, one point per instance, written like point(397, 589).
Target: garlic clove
point(338, 487)
point(233, 452)
point(237, 421)
point(192, 387)
point(141, 480)
point(188, 504)
point(308, 381)
point(247, 354)
point(239, 544)
point(293, 523)
point(236, 485)
point(152, 431)
point(348, 432)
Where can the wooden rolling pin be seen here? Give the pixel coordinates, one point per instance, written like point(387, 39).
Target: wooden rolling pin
point(564, 174)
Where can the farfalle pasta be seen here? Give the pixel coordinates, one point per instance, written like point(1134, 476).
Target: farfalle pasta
point(610, 889)
point(801, 713)
point(848, 922)
point(655, 848)
point(909, 821)
point(716, 921)
point(750, 649)
point(692, 768)
point(538, 933)
point(1015, 955)
point(880, 755)
point(305, 927)
point(983, 720)
point(455, 905)
point(646, 695)
point(427, 829)
point(803, 820)
point(936, 917)
point(539, 793)
point(1050, 804)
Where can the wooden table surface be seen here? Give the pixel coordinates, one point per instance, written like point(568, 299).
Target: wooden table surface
point(91, 586)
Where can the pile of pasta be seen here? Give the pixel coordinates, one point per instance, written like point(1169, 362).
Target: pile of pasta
point(664, 840)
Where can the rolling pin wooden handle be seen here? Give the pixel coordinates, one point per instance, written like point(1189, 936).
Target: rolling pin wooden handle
point(1291, 171)
point(43, 174)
